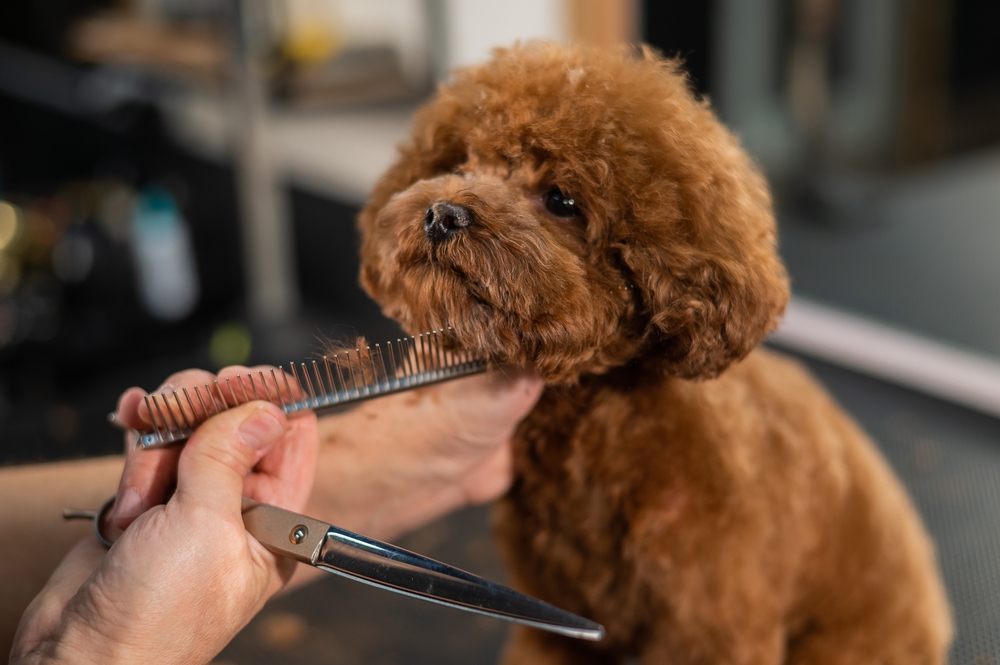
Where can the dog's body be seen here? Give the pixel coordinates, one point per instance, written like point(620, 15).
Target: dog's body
point(580, 213)
point(743, 519)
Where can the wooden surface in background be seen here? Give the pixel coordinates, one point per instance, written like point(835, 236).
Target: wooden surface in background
point(604, 22)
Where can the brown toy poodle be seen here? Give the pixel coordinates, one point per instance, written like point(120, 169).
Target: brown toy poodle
point(582, 213)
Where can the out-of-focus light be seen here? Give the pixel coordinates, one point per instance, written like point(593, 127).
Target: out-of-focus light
point(282, 630)
point(62, 422)
point(9, 224)
point(115, 211)
point(230, 345)
point(310, 44)
point(40, 234)
point(58, 209)
point(73, 257)
point(39, 319)
point(10, 274)
point(311, 31)
point(8, 323)
point(164, 256)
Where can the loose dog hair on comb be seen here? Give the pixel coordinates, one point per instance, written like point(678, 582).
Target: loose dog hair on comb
point(411, 362)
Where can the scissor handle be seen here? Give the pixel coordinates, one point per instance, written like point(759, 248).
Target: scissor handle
point(98, 517)
point(283, 532)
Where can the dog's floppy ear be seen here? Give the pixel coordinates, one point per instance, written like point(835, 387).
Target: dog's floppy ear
point(708, 274)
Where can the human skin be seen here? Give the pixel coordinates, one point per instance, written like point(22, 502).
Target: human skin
point(385, 467)
point(186, 576)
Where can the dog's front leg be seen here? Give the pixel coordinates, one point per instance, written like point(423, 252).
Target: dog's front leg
point(528, 646)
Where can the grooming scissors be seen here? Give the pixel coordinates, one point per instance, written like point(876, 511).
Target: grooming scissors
point(385, 566)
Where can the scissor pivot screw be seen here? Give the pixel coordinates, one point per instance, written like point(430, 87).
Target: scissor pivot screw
point(298, 534)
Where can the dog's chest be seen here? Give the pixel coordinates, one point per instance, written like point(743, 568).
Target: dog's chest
point(565, 520)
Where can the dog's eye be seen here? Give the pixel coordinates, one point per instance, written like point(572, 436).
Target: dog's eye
point(559, 204)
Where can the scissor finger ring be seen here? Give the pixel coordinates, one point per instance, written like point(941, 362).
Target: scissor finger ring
point(98, 517)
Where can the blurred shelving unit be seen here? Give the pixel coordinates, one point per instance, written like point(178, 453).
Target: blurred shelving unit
point(334, 153)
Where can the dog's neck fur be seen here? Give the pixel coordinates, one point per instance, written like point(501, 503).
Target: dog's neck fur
point(562, 406)
point(560, 452)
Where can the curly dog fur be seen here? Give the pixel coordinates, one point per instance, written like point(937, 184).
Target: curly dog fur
point(705, 501)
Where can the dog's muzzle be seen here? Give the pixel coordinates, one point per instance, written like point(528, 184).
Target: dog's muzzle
point(444, 219)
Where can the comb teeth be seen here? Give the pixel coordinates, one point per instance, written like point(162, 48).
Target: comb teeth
point(410, 362)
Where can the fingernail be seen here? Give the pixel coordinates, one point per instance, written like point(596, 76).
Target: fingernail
point(129, 506)
point(261, 429)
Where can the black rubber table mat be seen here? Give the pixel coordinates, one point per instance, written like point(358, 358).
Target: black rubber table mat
point(949, 459)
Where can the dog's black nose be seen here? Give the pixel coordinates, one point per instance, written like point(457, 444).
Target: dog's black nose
point(444, 218)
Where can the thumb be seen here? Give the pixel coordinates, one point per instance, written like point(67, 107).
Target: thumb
point(222, 452)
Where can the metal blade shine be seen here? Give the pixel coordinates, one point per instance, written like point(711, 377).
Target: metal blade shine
point(393, 568)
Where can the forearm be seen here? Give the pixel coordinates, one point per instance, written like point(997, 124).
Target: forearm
point(33, 535)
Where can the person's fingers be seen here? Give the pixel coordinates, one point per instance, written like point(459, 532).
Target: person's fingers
point(285, 476)
point(188, 397)
point(132, 410)
point(242, 384)
point(149, 475)
point(508, 391)
point(128, 409)
point(217, 458)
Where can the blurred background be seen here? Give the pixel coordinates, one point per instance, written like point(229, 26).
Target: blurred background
point(179, 181)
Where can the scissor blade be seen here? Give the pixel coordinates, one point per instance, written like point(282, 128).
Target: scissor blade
point(389, 567)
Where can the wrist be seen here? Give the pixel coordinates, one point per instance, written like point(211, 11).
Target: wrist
point(71, 658)
point(80, 645)
point(58, 651)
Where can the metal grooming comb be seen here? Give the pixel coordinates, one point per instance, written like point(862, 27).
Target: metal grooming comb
point(411, 362)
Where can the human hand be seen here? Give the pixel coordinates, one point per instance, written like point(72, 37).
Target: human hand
point(149, 475)
point(398, 462)
point(185, 576)
point(386, 466)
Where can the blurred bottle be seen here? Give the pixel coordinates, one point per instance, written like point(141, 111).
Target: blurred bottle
point(164, 256)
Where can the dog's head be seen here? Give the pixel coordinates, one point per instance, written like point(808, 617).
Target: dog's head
point(573, 210)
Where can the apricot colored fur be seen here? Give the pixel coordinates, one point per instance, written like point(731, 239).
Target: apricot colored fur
point(705, 501)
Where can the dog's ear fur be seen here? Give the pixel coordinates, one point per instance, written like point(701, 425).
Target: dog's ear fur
point(703, 255)
point(705, 311)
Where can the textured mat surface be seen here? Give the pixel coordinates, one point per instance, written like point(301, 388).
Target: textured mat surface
point(949, 459)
